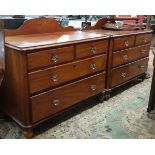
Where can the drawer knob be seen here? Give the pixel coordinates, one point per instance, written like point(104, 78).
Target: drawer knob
point(55, 58)
point(92, 66)
point(143, 51)
point(93, 50)
point(56, 102)
point(126, 43)
point(141, 67)
point(123, 75)
point(54, 78)
point(93, 87)
point(145, 40)
point(125, 56)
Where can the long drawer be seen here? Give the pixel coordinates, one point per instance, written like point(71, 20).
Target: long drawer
point(91, 48)
point(47, 78)
point(51, 102)
point(129, 55)
point(143, 38)
point(124, 73)
point(123, 42)
point(50, 57)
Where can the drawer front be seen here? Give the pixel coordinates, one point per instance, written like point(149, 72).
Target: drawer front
point(60, 74)
point(61, 98)
point(50, 57)
point(92, 48)
point(129, 55)
point(143, 38)
point(124, 73)
point(124, 42)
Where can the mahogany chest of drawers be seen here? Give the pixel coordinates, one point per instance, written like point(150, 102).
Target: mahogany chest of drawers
point(51, 68)
point(48, 72)
point(128, 56)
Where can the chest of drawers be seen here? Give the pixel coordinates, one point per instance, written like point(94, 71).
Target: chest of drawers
point(128, 56)
point(47, 73)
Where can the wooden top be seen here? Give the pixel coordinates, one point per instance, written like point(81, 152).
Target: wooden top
point(118, 33)
point(35, 41)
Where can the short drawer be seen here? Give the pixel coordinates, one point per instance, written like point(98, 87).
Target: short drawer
point(143, 38)
point(50, 57)
point(91, 48)
point(53, 76)
point(46, 104)
point(123, 42)
point(125, 73)
point(129, 55)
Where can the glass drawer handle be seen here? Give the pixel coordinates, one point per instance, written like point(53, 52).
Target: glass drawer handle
point(54, 78)
point(143, 51)
point(141, 67)
point(93, 66)
point(56, 102)
point(126, 44)
point(145, 40)
point(123, 75)
point(55, 58)
point(93, 87)
point(125, 56)
point(93, 50)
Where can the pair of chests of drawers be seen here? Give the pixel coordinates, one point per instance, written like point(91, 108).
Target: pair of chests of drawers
point(129, 57)
point(60, 77)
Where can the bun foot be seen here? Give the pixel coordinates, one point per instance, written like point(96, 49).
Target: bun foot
point(100, 97)
point(107, 96)
point(28, 133)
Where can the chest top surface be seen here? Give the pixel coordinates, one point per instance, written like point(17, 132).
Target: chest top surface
point(34, 41)
point(118, 33)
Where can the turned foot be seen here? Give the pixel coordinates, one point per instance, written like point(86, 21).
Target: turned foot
point(107, 96)
point(100, 97)
point(28, 133)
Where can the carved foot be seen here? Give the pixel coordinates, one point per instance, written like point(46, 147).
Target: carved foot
point(28, 133)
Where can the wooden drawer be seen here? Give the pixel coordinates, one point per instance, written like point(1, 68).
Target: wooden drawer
point(54, 101)
point(50, 57)
point(129, 55)
point(143, 38)
point(124, 42)
point(124, 73)
point(91, 48)
point(53, 76)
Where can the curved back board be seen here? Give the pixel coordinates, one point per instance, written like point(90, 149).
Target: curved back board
point(38, 26)
point(99, 24)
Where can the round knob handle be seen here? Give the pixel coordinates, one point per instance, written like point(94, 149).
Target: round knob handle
point(126, 43)
point(93, 87)
point(125, 56)
point(55, 58)
point(123, 75)
point(143, 51)
point(93, 66)
point(54, 78)
point(141, 67)
point(93, 50)
point(145, 40)
point(56, 102)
